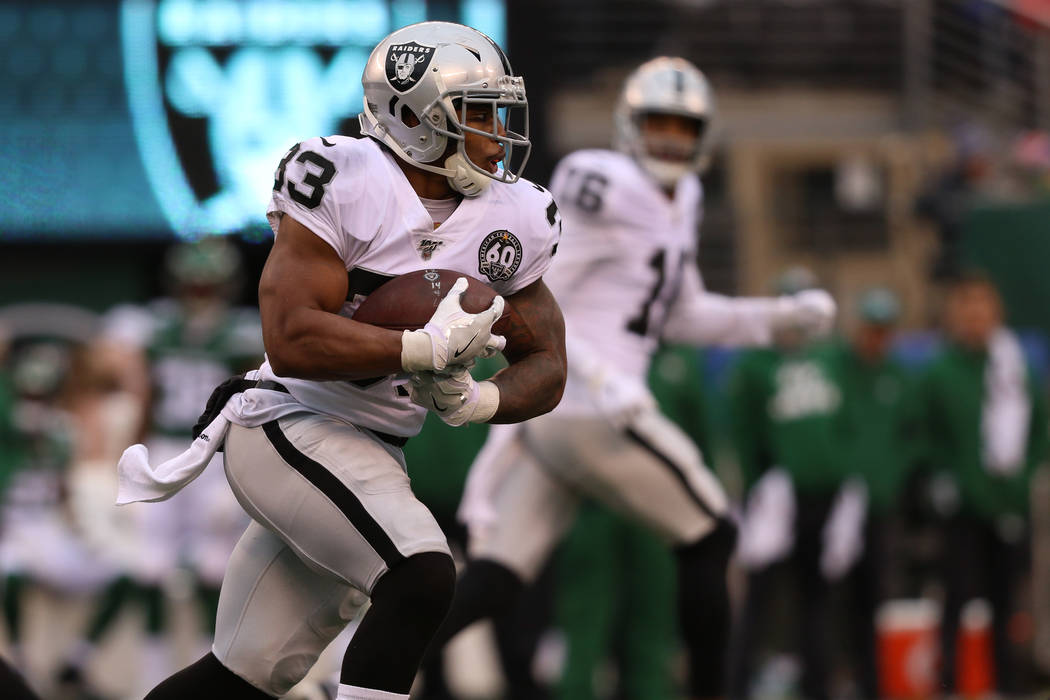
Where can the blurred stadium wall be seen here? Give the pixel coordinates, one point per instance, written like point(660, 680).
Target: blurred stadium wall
point(116, 128)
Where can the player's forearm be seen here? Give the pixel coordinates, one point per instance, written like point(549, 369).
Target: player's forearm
point(316, 345)
point(713, 319)
point(534, 381)
point(530, 387)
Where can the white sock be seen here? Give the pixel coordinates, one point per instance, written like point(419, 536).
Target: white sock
point(352, 692)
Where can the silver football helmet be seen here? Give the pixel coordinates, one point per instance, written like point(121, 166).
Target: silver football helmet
point(664, 85)
point(419, 83)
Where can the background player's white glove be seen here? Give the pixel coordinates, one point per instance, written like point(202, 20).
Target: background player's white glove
point(843, 534)
point(767, 530)
point(452, 336)
point(619, 398)
point(811, 310)
point(455, 397)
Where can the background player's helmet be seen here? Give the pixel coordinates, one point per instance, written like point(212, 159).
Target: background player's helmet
point(795, 279)
point(39, 369)
point(879, 305)
point(664, 85)
point(209, 267)
point(432, 72)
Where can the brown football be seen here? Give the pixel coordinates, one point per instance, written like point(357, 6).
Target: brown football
point(408, 301)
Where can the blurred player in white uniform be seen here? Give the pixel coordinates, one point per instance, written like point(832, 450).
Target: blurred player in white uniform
point(627, 278)
point(312, 440)
point(42, 541)
point(172, 352)
point(193, 341)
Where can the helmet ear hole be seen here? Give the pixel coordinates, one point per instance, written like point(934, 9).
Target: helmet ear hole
point(408, 117)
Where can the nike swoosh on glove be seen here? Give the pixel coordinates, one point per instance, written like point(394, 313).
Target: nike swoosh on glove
point(455, 397)
point(452, 336)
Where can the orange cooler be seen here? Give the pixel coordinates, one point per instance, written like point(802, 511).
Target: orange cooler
point(908, 648)
point(974, 672)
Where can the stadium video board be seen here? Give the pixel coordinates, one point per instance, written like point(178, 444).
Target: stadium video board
point(168, 117)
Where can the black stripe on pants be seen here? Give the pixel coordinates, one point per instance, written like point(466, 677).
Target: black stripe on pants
point(677, 471)
point(337, 492)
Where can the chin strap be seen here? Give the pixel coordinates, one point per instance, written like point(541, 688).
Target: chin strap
point(465, 179)
point(664, 172)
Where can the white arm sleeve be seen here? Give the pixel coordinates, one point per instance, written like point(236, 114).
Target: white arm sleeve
point(699, 317)
point(581, 358)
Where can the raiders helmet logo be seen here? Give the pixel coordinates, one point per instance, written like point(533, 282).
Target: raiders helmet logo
point(499, 255)
point(405, 64)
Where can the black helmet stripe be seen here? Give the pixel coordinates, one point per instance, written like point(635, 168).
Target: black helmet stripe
point(502, 56)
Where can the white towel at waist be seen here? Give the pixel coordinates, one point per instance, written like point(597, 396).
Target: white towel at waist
point(138, 480)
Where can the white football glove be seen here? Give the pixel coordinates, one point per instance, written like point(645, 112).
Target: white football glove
point(811, 310)
point(619, 398)
point(452, 336)
point(768, 527)
point(455, 396)
point(843, 534)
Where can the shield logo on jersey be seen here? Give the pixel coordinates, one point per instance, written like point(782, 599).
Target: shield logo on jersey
point(499, 255)
point(405, 64)
point(427, 247)
point(219, 89)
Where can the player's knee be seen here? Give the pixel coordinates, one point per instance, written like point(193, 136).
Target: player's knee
point(421, 587)
point(703, 591)
point(711, 553)
point(212, 678)
point(273, 672)
point(702, 570)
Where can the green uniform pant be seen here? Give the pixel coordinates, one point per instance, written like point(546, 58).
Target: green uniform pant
point(616, 598)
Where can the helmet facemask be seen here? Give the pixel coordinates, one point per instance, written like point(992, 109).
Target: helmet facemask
point(668, 156)
point(507, 106)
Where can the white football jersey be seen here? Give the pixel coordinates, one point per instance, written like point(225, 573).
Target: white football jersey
point(628, 248)
point(351, 193)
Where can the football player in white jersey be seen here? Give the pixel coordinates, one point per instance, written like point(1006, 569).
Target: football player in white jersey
point(312, 447)
point(627, 278)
